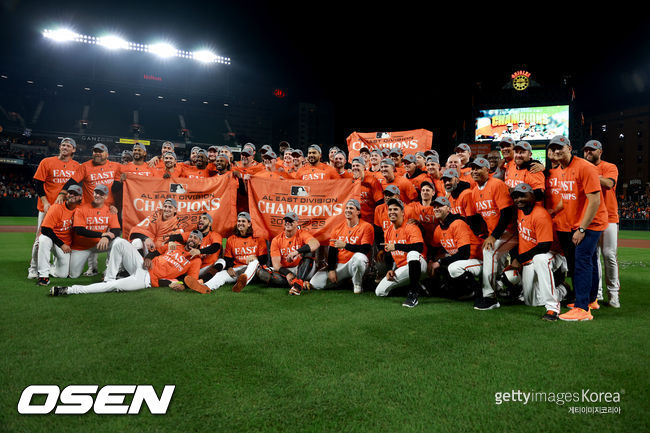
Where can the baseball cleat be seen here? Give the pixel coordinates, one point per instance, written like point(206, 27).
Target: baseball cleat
point(614, 300)
point(196, 285)
point(32, 274)
point(58, 291)
point(550, 316)
point(240, 284)
point(43, 281)
point(484, 304)
point(576, 315)
point(358, 289)
point(90, 273)
point(296, 287)
point(411, 300)
point(592, 306)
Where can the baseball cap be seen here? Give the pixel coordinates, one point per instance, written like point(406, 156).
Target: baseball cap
point(421, 154)
point(197, 233)
point(168, 143)
point(269, 155)
point(170, 153)
point(395, 201)
point(251, 145)
point(244, 215)
point(360, 160)
point(101, 188)
point(385, 152)
point(433, 158)
point(594, 144)
point(127, 153)
point(364, 148)
point(449, 173)
point(296, 152)
point(265, 148)
point(222, 156)
point(354, 203)
point(247, 150)
point(524, 145)
point(392, 189)
point(101, 147)
point(427, 183)
point(291, 216)
point(75, 189)
point(441, 201)
point(395, 151)
point(377, 151)
point(69, 140)
point(171, 201)
point(213, 147)
point(387, 161)
point(341, 152)
point(316, 147)
point(521, 188)
point(202, 152)
point(559, 140)
point(409, 158)
point(195, 149)
point(463, 146)
point(140, 146)
point(480, 163)
point(334, 149)
point(507, 140)
point(207, 215)
point(430, 152)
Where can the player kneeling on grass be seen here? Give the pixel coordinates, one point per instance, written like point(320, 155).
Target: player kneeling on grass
point(406, 261)
point(155, 270)
point(347, 256)
point(56, 237)
point(210, 246)
point(292, 257)
point(463, 251)
point(536, 261)
point(243, 255)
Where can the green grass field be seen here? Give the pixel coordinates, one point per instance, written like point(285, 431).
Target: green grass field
point(331, 361)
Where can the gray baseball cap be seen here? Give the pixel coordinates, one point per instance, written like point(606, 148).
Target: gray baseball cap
point(507, 140)
point(359, 160)
point(354, 203)
point(377, 151)
point(100, 146)
point(559, 140)
point(75, 189)
point(170, 153)
point(388, 161)
point(141, 146)
point(431, 152)
point(524, 145)
point(395, 151)
point(291, 216)
point(480, 163)
point(433, 158)
point(269, 154)
point(172, 202)
point(449, 173)
point(409, 158)
point(441, 201)
point(463, 146)
point(197, 233)
point(521, 188)
point(207, 215)
point(127, 153)
point(251, 145)
point(265, 148)
point(202, 152)
point(421, 154)
point(244, 215)
point(101, 188)
point(316, 147)
point(69, 140)
point(296, 152)
point(594, 144)
point(392, 189)
point(395, 201)
point(248, 150)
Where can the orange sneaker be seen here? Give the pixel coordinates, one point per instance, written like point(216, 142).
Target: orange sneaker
point(593, 306)
point(195, 285)
point(576, 315)
point(240, 284)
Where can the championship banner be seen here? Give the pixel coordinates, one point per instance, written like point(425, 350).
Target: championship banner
point(319, 204)
point(416, 140)
point(214, 195)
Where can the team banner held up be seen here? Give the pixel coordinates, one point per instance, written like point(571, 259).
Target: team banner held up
point(416, 140)
point(214, 195)
point(319, 204)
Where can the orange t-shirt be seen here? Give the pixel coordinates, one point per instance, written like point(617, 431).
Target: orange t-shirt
point(59, 218)
point(460, 205)
point(371, 193)
point(178, 171)
point(193, 172)
point(489, 200)
point(273, 175)
point(405, 234)
point(238, 248)
point(281, 246)
point(456, 235)
point(211, 238)
point(252, 169)
point(609, 171)
point(534, 228)
point(578, 179)
point(172, 264)
point(360, 234)
point(553, 195)
point(424, 215)
point(320, 171)
point(92, 175)
point(139, 170)
point(54, 173)
point(156, 229)
point(514, 176)
point(96, 219)
point(381, 216)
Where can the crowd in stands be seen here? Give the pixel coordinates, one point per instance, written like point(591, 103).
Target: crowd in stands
point(639, 209)
point(16, 185)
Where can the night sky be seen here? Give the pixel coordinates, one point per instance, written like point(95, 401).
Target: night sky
point(396, 66)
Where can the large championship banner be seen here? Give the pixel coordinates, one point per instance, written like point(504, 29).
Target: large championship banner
point(319, 204)
point(214, 195)
point(416, 140)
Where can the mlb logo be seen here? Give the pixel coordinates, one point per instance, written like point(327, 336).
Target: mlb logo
point(177, 188)
point(299, 191)
point(383, 135)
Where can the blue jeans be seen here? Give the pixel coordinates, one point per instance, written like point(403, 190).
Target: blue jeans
point(585, 274)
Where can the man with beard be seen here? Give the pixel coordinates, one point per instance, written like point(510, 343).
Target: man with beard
point(464, 152)
point(170, 168)
point(157, 161)
point(434, 174)
point(315, 169)
point(347, 258)
point(247, 165)
point(137, 167)
point(153, 232)
point(408, 193)
point(412, 172)
point(271, 170)
point(243, 255)
point(157, 269)
point(200, 170)
point(127, 156)
point(458, 192)
point(453, 161)
point(339, 165)
point(208, 250)
point(371, 192)
point(520, 171)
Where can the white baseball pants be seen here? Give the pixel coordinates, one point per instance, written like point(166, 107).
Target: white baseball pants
point(608, 247)
point(494, 261)
point(385, 286)
point(61, 265)
point(353, 268)
point(223, 277)
point(538, 283)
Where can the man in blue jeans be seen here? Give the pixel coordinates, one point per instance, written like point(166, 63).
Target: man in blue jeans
point(587, 216)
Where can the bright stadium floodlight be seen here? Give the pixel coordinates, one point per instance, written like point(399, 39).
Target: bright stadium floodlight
point(61, 35)
point(163, 50)
point(204, 56)
point(113, 42)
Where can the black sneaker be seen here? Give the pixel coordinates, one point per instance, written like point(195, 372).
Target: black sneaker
point(43, 281)
point(411, 300)
point(550, 316)
point(58, 291)
point(486, 304)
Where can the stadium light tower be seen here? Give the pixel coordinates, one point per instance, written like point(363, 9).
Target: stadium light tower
point(61, 35)
point(113, 42)
point(163, 50)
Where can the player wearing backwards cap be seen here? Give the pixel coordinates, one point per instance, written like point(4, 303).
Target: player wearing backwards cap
point(210, 246)
point(520, 171)
point(154, 231)
point(458, 192)
point(94, 227)
point(315, 169)
point(371, 191)
point(537, 260)
point(406, 262)
point(56, 237)
point(461, 259)
point(242, 256)
point(52, 173)
point(291, 257)
point(608, 175)
point(586, 216)
point(350, 244)
point(492, 204)
point(158, 269)
point(412, 172)
point(408, 193)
